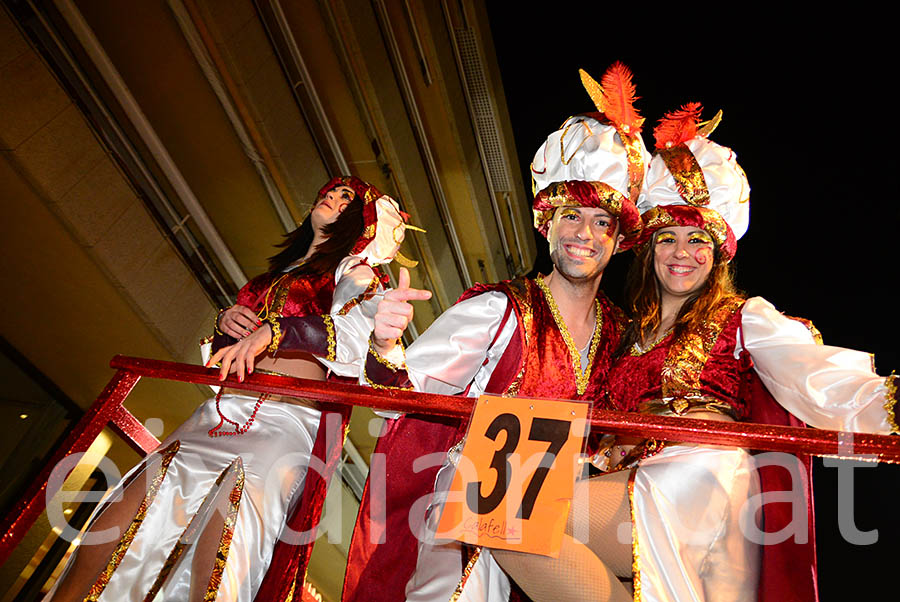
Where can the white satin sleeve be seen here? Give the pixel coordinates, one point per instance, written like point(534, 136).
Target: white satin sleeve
point(356, 283)
point(456, 349)
point(826, 387)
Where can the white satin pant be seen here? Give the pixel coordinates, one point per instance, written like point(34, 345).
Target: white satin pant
point(272, 457)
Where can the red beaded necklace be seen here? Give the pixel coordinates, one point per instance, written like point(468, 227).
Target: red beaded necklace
point(238, 429)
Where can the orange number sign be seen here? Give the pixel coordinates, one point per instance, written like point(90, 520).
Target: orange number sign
point(514, 481)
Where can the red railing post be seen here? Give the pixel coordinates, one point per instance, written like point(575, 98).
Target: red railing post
point(29, 507)
point(125, 425)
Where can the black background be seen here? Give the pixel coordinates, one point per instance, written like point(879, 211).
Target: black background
point(808, 110)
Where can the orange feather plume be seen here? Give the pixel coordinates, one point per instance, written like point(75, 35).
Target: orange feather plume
point(620, 97)
point(677, 126)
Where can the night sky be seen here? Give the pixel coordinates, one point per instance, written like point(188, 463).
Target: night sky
point(807, 110)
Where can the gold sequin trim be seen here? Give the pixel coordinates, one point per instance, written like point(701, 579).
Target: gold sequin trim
point(216, 322)
point(610, 198)
point(558, 195)
point(636, 350)
point(635, 164)
point(683, 166)
point(234, 503)
point(173, 557)
point(364, 296)
point(332, 343)
point(521, 292)
point(816, 335)
point(689, 352)
point(191, 532)
point(513, 389)
point(679, 406)
point(290, 595)
point(581, 376)
point(383, 360)
point(465, 575)
point(891, 401)
point(263, 314)
point(122, 547)
point(714, 224)
point(276, 333)
point(283, 287)
point(619, 318)
point(375, 385)
point(562, 140)
point(635, 549)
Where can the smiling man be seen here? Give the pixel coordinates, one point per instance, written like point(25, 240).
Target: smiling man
point(551, 336)
point(573, 247)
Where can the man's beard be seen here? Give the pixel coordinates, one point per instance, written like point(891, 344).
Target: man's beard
point(568, 270)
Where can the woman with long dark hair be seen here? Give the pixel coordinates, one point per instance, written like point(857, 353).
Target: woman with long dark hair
point(200, 517)
point(679, 521)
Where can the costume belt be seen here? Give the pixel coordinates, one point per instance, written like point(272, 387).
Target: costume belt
point(613, 453)
point(679, 406)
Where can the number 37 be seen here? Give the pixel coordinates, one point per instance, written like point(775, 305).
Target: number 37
point(554, 431)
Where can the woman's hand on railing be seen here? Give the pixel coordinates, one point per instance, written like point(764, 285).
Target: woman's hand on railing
point(238, 321)
point(238, 358)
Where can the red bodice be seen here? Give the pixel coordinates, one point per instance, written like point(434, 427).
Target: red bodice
point(289, 295)
point(294, 295)
point(702, 364)
point(690, 366)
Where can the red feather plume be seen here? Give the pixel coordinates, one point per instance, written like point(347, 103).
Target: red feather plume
point(677, 126)
point(620, 96)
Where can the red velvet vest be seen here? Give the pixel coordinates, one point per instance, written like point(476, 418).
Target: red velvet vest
point(538, 362)
point(703, 364)
point(289, 295)
point(696, 364)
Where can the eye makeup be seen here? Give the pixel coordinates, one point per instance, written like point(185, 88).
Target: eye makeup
point(665, 237)
point(701, 237)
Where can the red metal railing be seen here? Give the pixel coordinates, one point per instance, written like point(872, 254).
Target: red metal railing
point(108, 410)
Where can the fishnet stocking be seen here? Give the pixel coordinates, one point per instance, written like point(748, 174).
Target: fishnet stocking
point(584, 570)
